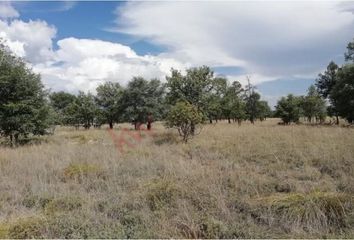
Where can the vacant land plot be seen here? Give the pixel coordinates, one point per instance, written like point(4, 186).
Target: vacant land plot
point(251, 181)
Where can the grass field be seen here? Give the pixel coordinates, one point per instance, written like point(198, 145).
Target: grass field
point(252, 181)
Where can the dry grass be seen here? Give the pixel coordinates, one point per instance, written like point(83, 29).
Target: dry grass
point(245, 182)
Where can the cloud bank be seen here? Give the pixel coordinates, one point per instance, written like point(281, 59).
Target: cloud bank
point(267, 40)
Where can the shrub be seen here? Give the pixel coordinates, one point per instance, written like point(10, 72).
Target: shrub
point(185, 117)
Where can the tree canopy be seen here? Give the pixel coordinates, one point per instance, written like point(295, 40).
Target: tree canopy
point(23, 106)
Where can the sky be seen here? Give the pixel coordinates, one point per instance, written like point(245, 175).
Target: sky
point(280, 45)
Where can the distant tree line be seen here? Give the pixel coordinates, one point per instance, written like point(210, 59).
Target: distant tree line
point(184, 101)
point(332, 95)
point(198, 91)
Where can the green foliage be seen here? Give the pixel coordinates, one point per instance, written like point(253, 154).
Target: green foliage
point(82, 111)
point(327, 80)
point(162, 193)
point(80, 171)
point(264, 110)
point(211, 228)
point(26, 228)
point(23, 106)
point(311, 211)
point(193, 88)
point(109, 99)
point(254, 107)
point(59, 102)
point(65, 204)
point(143, 98)
point(343, 92)
point(288, 109)
point(232, 104)
point(313, 105)
point(185, 118)
point(349, 55)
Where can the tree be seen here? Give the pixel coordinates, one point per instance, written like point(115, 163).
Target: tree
point(23, 106)
point(233, 106)
point(288, 109)
point(325, 84)
point(343, 92)
point(59, 102)
point(184, 117)
point(143, 100)
point(349, 55)
point(83, 111)
point(252, 106)
point(255, 108)
point(327, 80)
point(195, 88)
point(109, 99)
point(214, 99)
point(313, 105)
point(264, 110)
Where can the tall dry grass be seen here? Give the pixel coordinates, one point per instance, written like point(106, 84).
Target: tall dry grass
point(251, 181)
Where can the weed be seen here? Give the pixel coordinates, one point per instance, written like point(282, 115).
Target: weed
point(80, 171)
point(312, 211)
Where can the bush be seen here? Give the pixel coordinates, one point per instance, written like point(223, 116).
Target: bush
point(288, 109)
point(185, 117)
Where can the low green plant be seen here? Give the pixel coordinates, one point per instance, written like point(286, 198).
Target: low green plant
point(80, 171)
point(65, 204)
point(310, 212)
point(162, 192)
point(185, 117)
point(4, 231)
point(30, 227)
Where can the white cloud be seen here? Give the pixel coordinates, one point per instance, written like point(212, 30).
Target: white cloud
point(266, 38)
point(82, 64)
point(31, 40)
point(79, 64)
point(7, 11)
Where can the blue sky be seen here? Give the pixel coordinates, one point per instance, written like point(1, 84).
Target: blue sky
point(75, 46)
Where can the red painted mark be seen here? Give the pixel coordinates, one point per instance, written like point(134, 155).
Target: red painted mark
point(128, 137)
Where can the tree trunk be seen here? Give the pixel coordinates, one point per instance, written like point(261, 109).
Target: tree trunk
point(137, 125)
point(210, 121)
point(149, 126)
point(111, 124)
point(192, 129)
point(12, 140)
point(337, 119)
point(229, 120)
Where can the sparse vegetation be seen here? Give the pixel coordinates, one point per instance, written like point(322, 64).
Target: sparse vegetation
point(248, 181)
point(251, 180)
